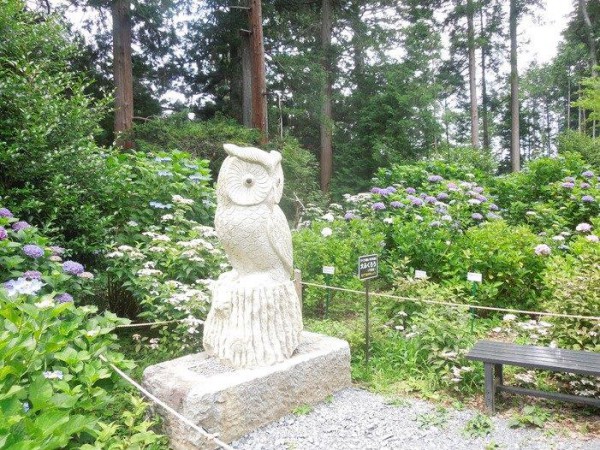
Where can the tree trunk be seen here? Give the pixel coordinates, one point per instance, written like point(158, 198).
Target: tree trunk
point(472, 77)
point(122, 72)
point(326, 93)
point(246, 81)
point(590, 35)
point(259, 83)
point(515, 151)
point(484, 97)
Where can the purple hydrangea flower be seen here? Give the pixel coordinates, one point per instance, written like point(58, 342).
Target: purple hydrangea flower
point(588, 199)
point(435, 178)
point(435, 224)
point(476, 216)
point(452, 187)
point(32, 275)
point(568, 185)
point(494, 207)
point(410, 190)
point(442, 196)
point(378, 206)
point(3, 233)
point(33, 251)
point(430, 199)
point(20, 225)
point(423, 195)
point(396, 204)
point(569, 179)
point(63, 298)
point(588, 174)
point(390, 189)
point(72, 267)
point(375, 190)
point(478, 189)
point(4, 212)
point(481, 198)
point(349, 216)
point(492, 216)
point(584, 186)
point(416, 201)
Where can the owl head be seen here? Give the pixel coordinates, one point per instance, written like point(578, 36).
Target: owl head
point(250, 176)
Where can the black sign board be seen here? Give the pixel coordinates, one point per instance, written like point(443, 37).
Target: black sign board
point(368, 267)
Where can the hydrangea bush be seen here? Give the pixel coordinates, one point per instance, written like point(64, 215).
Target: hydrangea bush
point(54, 390)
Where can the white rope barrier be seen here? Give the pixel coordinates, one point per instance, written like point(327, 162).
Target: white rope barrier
point(188, 422)
point(150, 324)
point(455, 305)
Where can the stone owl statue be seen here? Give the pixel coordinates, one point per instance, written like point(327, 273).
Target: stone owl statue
point(255, 318)
point(249, 222)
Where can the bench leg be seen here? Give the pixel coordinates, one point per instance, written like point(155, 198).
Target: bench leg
point(490, 391)
point(498, 374)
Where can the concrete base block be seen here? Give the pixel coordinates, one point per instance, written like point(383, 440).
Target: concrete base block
point(233, 402)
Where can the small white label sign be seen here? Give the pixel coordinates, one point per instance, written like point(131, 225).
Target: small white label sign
point(328, 270)
point(420, 275)
point(474, 277)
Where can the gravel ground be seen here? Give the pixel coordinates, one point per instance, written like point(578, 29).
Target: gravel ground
point(357, 419)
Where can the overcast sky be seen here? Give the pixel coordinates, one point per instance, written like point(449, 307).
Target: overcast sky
point(543, 37)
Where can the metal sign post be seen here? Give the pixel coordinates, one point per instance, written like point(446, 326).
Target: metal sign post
point(328, 271)
point(368, 268)
point(474, 278)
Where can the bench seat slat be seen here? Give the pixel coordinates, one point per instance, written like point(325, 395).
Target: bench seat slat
point(587, 363)
point(574, 355)
point(538, 358)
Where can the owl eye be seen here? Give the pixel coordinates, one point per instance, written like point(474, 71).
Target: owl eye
point(248, 181)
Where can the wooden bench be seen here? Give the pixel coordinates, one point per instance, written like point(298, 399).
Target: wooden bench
point(496, 354)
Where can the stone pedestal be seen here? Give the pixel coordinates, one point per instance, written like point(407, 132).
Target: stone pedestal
point(233, 402)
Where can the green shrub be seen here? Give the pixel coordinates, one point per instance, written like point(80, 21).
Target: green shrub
point(52, 172)
point(201, 139)
point(506, 257)
point(574, 288)
point(581, 143)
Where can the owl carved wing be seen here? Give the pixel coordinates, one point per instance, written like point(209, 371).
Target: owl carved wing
point(280, 238)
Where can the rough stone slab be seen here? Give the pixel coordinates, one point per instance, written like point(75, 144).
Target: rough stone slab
point(233, 402)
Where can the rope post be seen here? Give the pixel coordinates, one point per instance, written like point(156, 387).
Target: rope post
point(298, 286)
point(471, 310)
point(328, 299)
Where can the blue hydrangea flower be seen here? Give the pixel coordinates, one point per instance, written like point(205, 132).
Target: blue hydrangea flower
point(442, 196)
point(588, 199)
point(494, 207)
point(435, 224)
point(4, 212)
point(492, 216)
point(435, 178)
point(191, 166)
point(162, 159)
point(195, 177)
point(378, 206)
point(63, 298)
point(20, 225)
point(33, 251)
point(3, 233)
point(397, 204)
point(72, 267)
point(588, 174)
point(164, 173)
point(476, 216)
point(410, 190)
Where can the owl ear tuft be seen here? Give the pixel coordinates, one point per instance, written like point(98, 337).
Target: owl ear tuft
point(254, 155)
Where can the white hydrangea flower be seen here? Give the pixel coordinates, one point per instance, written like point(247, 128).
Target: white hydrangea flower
point(326, 232)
